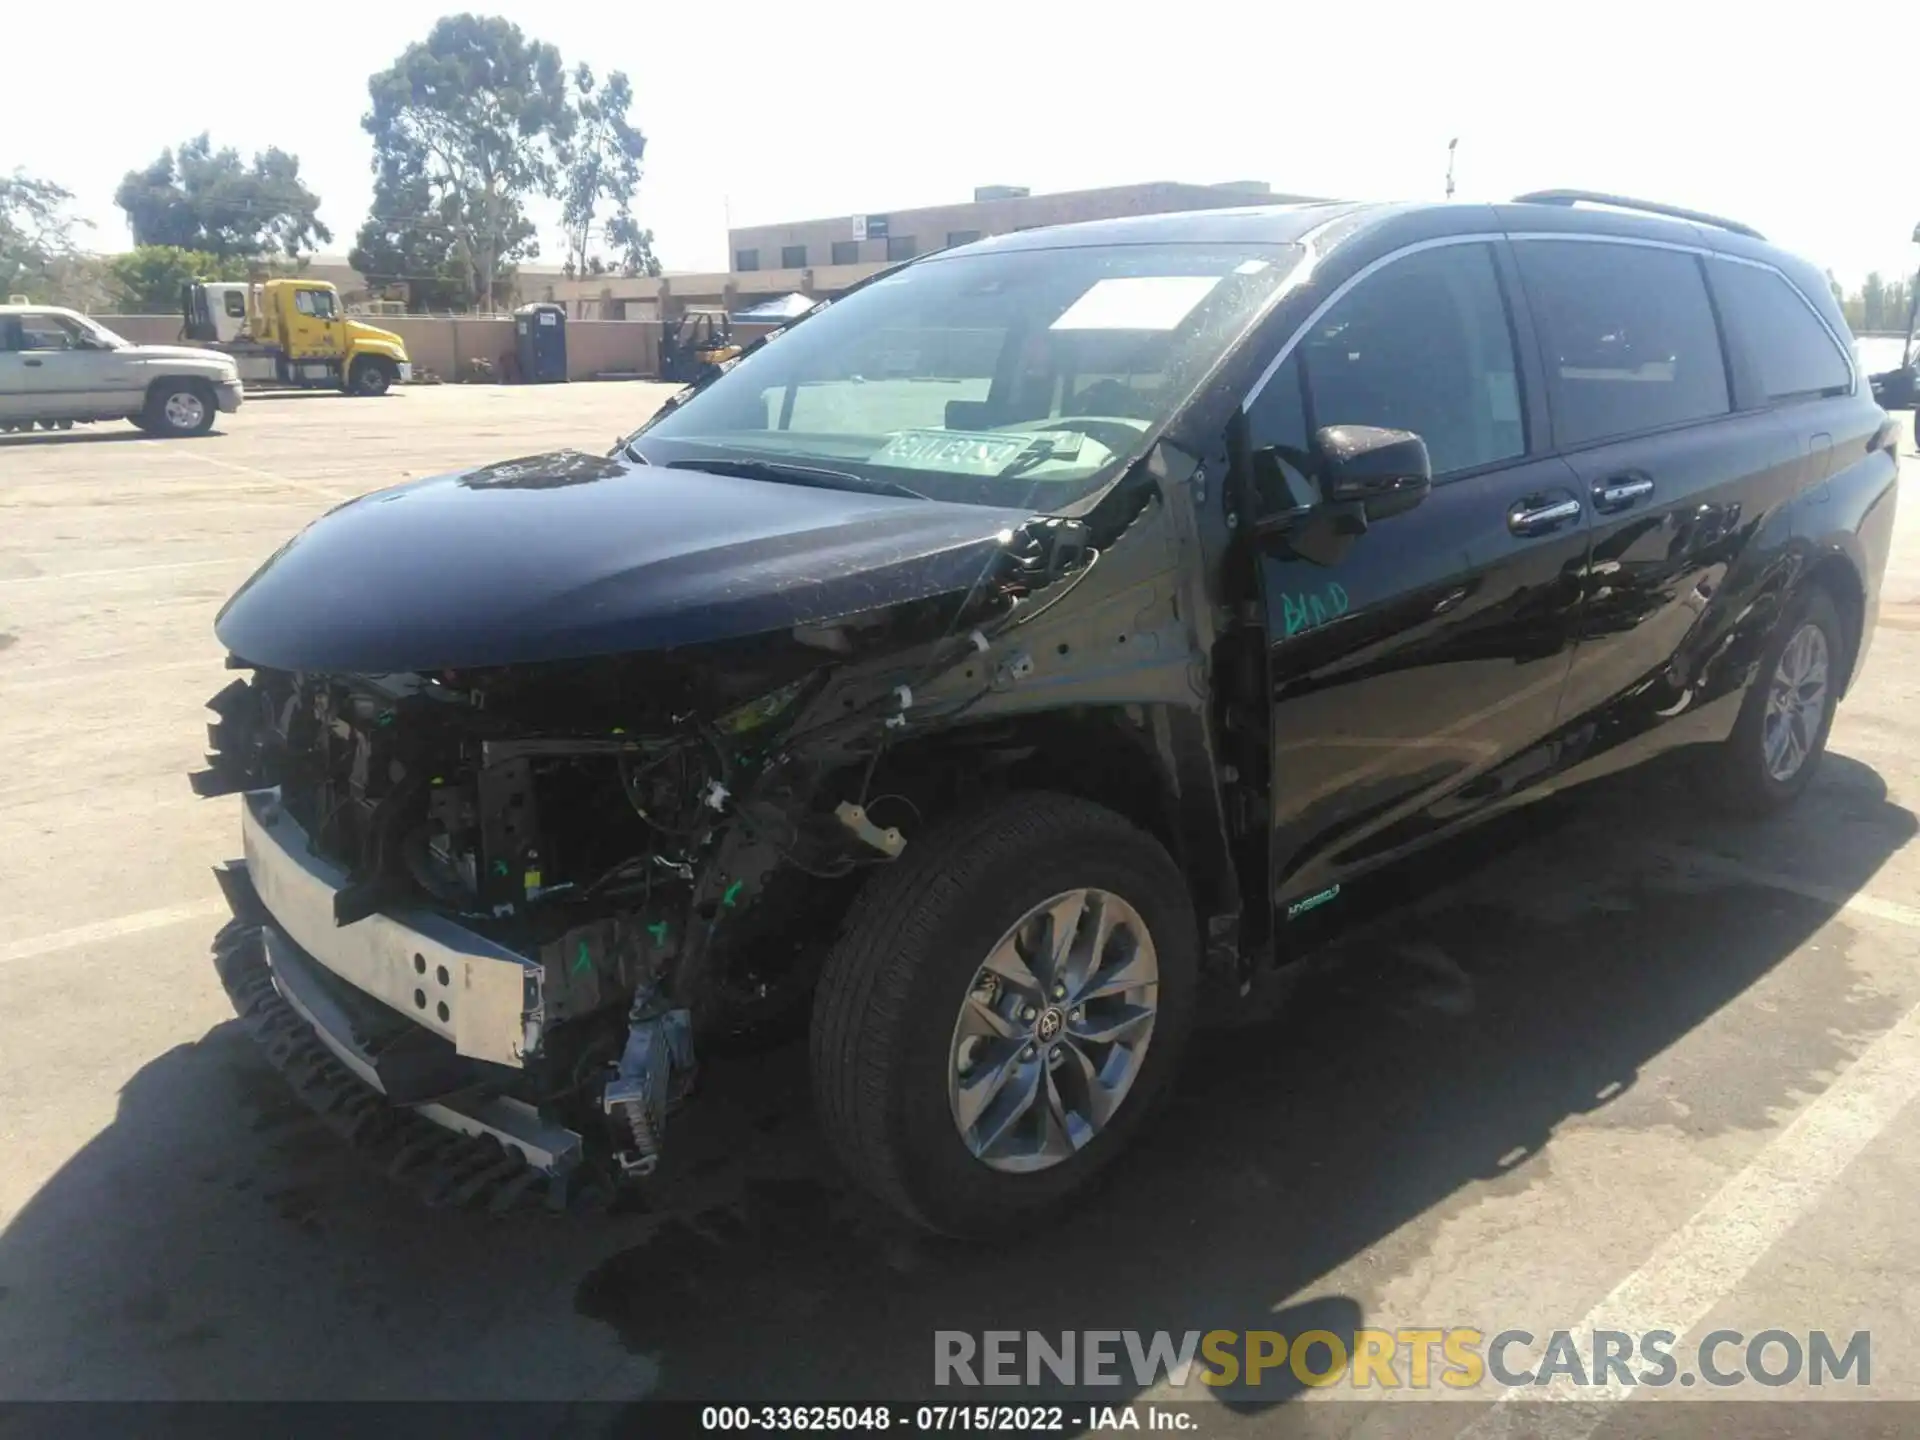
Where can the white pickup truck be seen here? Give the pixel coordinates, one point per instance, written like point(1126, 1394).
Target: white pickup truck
point(58, 366)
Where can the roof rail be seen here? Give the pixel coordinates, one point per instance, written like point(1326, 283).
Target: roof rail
point(1623, 202)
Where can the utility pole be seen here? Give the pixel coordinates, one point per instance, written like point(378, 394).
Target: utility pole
point(1452, 145)
point(1909, 357)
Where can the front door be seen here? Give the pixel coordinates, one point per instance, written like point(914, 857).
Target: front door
point(314, 328)
point(1414, 676)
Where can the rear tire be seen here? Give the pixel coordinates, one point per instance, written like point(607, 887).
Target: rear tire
point(889, 1058)
point(371, 376)
point(178, 408)
point(1776, 745)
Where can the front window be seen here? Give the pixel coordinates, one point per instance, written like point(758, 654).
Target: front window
point(48, 332)
point(101, 336)
point(317, 303)
point(1022, 378)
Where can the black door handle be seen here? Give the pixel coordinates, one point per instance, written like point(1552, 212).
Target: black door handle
point(34, 363)
point(1618, 492)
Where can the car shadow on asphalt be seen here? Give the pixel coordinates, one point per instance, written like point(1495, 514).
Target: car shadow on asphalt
point(46, 438)
point(43, 438)
point(322, 393)
point(214, 1240)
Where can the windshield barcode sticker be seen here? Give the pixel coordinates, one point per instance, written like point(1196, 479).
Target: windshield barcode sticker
point(953, 450)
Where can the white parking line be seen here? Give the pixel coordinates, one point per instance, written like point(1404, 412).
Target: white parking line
point(230, 560)
point(110, 929)
point(1685, 856)
point(307, 485)
point(1696, 1266)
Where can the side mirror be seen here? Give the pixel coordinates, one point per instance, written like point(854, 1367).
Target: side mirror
point(1362, 473)
point(1359, 473)
point(1383, 472)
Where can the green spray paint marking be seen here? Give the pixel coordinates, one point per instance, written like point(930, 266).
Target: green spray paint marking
point(1310, 608)
point(658, 930)
point(582, 961)
point(733, 893)
point(1300, 907)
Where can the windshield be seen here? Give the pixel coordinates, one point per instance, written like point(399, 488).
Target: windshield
point(1019, 378)
point(101, 335)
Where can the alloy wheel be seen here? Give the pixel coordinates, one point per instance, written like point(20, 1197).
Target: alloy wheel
point(1796, 703)
point(1053, 1031)
point(184, 410)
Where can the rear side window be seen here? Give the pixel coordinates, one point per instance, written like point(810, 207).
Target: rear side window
point(1795, 354)
point(1629, 337)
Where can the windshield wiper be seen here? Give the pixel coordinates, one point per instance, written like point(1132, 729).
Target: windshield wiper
point(782, 473)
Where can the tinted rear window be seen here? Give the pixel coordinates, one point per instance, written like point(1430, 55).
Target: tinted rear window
point(1629, 336)
point(1794, 353)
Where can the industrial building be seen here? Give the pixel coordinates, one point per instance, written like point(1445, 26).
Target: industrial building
point(825, 256)
point(879, 238)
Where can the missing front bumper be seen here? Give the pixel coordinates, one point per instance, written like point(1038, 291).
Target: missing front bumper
point(467, 1163)
point(441, 976)
point(324, 1016)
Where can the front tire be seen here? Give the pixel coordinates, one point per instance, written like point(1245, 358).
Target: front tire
point(1006, 1006)
point(1776, 745)
point(372, 376)
point(178, 408)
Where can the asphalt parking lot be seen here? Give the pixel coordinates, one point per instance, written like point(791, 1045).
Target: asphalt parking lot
point(1609, 1062)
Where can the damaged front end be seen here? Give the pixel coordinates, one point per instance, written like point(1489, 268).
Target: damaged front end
point(518, 901)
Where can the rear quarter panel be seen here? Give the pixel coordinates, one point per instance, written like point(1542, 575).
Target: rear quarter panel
point(1849, 521)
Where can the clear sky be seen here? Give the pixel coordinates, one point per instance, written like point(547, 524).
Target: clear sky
point(1795, 118)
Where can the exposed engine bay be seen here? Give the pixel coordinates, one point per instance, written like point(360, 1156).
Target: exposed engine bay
point(668, 837)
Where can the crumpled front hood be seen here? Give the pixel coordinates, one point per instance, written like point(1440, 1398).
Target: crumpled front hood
point(570, 555)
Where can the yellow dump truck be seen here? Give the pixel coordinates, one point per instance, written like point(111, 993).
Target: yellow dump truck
point(294, 332)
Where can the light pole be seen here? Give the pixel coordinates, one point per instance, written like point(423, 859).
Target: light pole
point(1908, 358)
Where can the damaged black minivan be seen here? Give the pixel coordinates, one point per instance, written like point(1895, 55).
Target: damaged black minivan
point(994, 663)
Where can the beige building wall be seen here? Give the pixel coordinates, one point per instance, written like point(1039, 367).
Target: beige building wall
point(823, 246)
point(530, 281)
point(444, 345)
point(822, 242)
point(630, 308)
